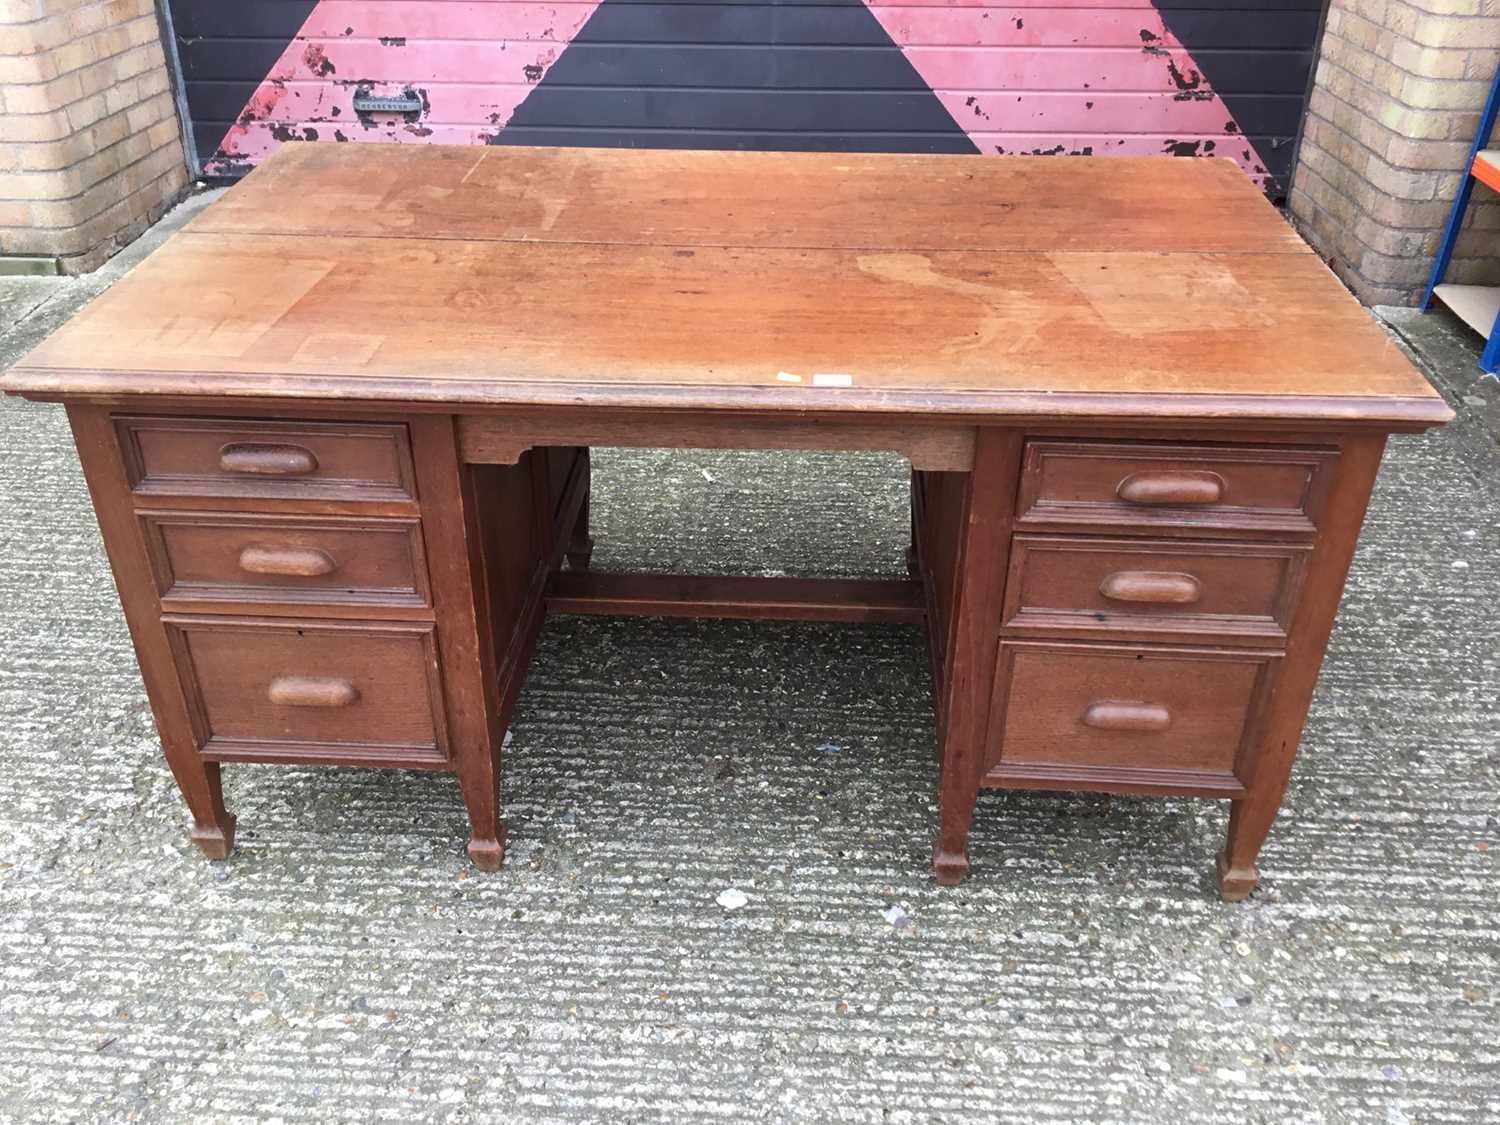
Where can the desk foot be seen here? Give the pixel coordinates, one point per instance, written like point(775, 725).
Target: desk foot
point(488, 855)
point(215, 840)
point(949, 867)
point(1235, 883)
point(579, 551)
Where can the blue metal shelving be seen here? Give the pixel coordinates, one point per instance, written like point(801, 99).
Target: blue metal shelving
point(1477, 305)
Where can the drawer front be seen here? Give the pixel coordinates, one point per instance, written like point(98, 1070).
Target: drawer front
point(314, 691)
point(229, 457)
point(1116, 587)
point(1174, 489)
point(1124, 718)
point(285, 559)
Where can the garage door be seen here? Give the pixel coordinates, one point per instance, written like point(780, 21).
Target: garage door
point(1177, 77)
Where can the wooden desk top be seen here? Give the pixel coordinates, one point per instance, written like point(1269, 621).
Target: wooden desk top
point(957, 285)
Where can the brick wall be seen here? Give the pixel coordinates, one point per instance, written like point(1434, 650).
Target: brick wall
point(90, 152)
point(1394, 108)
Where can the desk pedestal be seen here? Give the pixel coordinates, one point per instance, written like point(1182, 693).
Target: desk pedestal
point(1114, 609)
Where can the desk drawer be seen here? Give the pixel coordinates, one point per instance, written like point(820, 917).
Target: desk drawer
point(1132, 719)
point(1174, 489)
point(229, 457)
point(212, 556)
point(314, 691)
point(1114, 587)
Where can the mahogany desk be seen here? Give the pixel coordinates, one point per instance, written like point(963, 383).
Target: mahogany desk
point(336, 433)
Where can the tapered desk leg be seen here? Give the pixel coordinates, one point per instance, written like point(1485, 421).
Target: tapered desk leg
point(1249, 823)
point(973, 641)
point(1270, 766)
point(491, 536)
point(479, 778)
point(213, 831)
point(452, 524)
point(199, 781)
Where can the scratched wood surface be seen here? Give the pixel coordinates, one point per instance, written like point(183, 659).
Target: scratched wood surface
point(813, 200)
point(765, 280)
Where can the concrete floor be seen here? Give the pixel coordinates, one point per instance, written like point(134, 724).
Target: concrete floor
point(347, 964)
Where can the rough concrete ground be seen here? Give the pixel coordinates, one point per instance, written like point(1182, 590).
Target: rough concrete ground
point(347, 964)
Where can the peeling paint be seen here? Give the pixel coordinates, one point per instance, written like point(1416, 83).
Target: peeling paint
point(1156, 94)
point(1189, 81)
point(384, 46)
point(1090, 79)
point(317, 62)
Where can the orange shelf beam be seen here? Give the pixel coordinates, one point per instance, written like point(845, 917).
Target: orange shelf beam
point(1486, 168)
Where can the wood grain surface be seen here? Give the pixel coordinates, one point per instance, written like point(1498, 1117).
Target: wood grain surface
point(714, 280)
point(846, 201)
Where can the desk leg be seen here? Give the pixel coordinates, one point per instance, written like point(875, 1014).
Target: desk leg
point(213, 825)
point(581, 544)
point(983, 540)
point(913, 553)
point(479, 778)
point(1269, 768)
point(199, 780)
point(453, 526)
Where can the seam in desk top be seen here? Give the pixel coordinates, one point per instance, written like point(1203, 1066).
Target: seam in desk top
point(1297, 249)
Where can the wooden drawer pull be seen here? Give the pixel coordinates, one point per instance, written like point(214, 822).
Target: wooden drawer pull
point(300, 562)
point(266, 459)
point(1181, 487)
point(312, 691)
point(1116, 714)
point(1157, 587)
